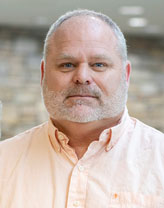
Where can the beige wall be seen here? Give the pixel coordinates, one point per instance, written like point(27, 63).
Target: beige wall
point(20, 54)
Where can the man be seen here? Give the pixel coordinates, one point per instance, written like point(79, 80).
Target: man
point(90, 153)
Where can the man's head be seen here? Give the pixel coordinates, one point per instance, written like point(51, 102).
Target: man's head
point(121, 44)
point(85, 72)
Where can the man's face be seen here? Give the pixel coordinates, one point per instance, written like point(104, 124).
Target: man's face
point(83, 77)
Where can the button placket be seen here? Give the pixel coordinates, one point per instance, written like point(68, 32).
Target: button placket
point(78, 186)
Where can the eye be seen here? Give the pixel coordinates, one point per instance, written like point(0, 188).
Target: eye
point(67, 65)
point(98, 64)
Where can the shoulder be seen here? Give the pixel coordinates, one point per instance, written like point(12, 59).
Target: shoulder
point(147, 134)
point(20, 150)
point(148, 130)
point(21, 141)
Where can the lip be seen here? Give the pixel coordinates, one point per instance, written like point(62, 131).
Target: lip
point(81, 96)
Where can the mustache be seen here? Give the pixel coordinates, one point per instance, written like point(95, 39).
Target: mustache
point(83, 90)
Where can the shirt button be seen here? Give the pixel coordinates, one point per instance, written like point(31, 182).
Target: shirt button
point(107, 148)
point(81, 168)
point(60, 136)
point(76, 203)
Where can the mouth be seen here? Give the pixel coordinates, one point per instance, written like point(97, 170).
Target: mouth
point(81, 96)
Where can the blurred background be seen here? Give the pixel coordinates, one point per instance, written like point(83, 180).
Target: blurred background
point(23, 26)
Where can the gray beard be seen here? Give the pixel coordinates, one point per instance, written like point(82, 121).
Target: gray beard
point(59, 108)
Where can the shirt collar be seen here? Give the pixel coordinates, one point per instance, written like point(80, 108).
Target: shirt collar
point(52, 132)
point(110, 135)
point(117, 131)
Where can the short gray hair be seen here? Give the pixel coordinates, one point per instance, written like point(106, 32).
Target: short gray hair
point(121, 45)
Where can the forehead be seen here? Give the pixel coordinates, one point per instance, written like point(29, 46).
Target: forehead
point(83, 32)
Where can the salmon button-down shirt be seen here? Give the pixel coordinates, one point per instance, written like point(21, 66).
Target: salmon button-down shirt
point(123, 169)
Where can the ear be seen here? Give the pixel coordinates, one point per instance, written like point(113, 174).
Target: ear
point(42, 70)
point(128, 70)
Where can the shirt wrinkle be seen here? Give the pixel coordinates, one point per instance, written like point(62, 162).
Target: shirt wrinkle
point(124, 168)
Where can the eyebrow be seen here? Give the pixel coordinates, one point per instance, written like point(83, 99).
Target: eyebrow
point(65, 56)
point(101, 56)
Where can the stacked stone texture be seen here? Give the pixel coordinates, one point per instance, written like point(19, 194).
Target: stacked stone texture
point(20, 93)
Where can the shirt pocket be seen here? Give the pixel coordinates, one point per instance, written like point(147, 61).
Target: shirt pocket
point(135, 200)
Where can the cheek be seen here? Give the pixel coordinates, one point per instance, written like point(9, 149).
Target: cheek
point(109, 83)
point(57, 81)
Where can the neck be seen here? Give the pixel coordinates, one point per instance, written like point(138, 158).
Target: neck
point(76, 132)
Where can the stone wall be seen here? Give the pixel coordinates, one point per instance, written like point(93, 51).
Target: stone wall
point(146, 92)
point(20, 55)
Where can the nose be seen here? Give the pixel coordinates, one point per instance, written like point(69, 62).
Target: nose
point(82, 75)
